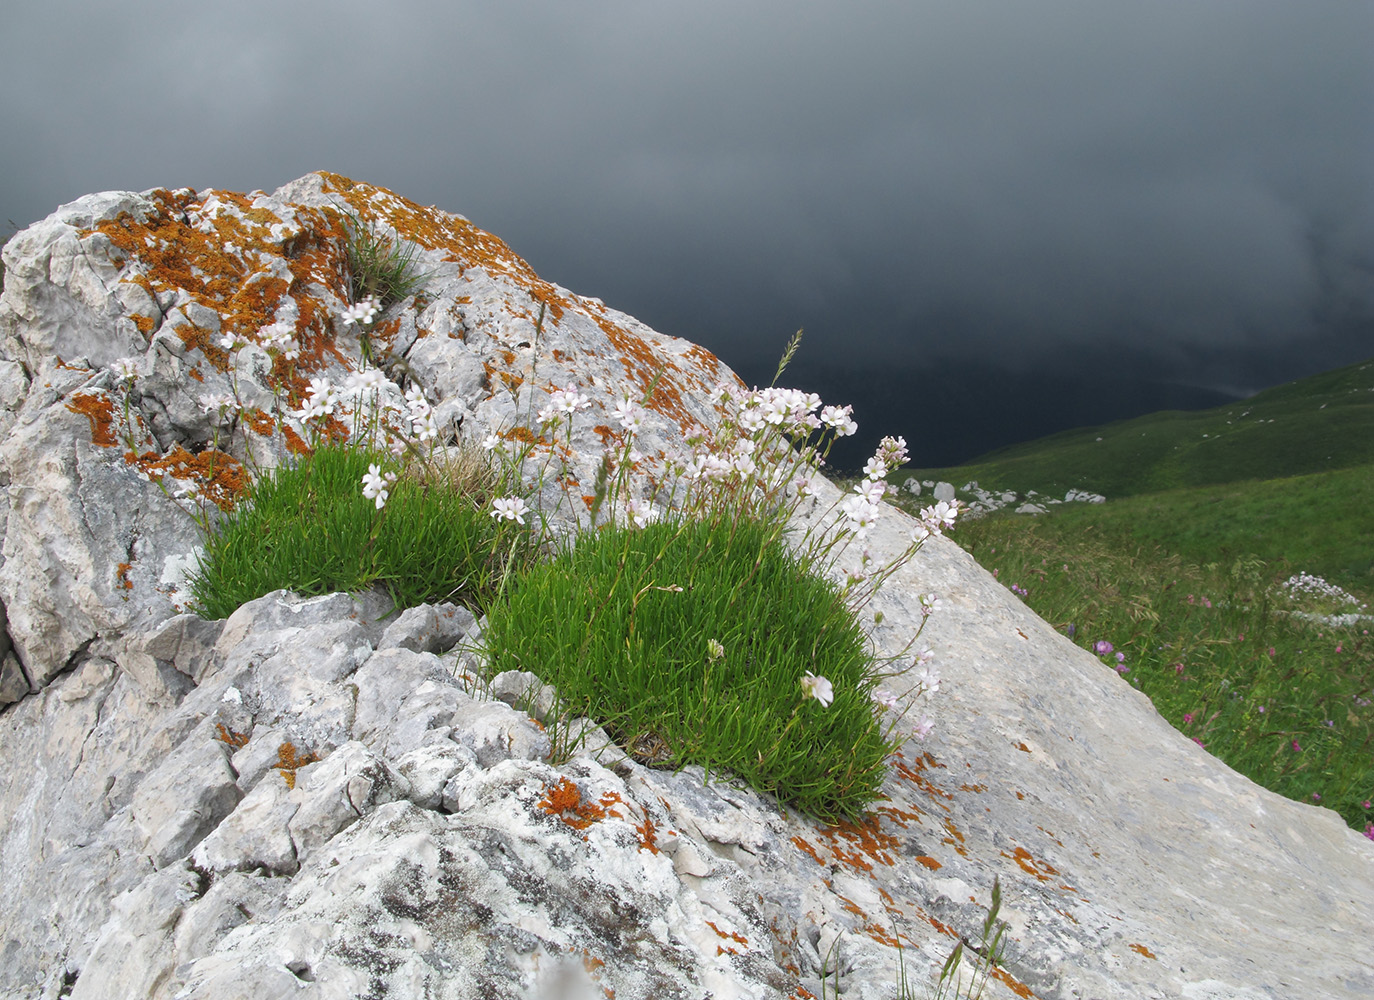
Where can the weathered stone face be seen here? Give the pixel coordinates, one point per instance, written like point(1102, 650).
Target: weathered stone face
point(315, 798)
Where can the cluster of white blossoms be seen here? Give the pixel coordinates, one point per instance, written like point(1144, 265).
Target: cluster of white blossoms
point(369, 404)
point(509, 509)
point(377, 486)
point(281, 336)
point(763, 457)
point(126, 369)
point(562, 403)
point(1306, 583)
point(363, 312)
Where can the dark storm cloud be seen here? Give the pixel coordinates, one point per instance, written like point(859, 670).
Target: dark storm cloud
point(1014, 184)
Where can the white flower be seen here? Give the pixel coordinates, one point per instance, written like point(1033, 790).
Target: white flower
point(875, 468)
point(802, 484)
point(840, 419)
point(860, 514)
point(229, 342)
point(893, 451)
point(424, 427)
point(375, 485)
point(885, 698)
point(125, 368)
point(492, 442)
point(630, 415)
point(366, 381)
point(930, 603)
point(941, 514)
point(567, 401)
point(641, 512)
point(920, 533)
point(217, 402)
point(509, 509)
point(871, 490)
point(818, 688)
point(922, 727)
point(547, 416)
point(717, 467)
point(928, 680)
point(416, 402)
point(751, 421)
point(714, 650)
point(363, 312)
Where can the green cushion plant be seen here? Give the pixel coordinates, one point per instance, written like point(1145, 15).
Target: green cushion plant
point(688, 639)
point(308, 527)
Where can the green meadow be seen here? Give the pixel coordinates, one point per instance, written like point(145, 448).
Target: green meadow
point(1181, 581)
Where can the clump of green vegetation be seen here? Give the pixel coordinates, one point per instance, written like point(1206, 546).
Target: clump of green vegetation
point(698, 631)
point(1284, 699)
point(380, 267)
point(691, 640)
point(308, 527)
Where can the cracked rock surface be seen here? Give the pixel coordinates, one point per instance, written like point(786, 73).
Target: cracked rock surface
point(317, 798)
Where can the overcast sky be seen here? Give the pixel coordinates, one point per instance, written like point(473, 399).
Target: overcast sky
point(1138, 199)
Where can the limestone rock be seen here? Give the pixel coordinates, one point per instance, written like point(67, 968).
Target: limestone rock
point(153, 844)
point(184, 799)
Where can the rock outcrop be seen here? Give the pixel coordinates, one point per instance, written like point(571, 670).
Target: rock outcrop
point(320, 797)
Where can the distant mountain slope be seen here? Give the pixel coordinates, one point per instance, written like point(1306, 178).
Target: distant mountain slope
point(1315, 424)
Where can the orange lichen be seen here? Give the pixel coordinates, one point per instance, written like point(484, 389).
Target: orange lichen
point(900, 817)
point(808, 849)
point(955, 838)
point(219, 477)
point(197, 339)
point(737, 938)
point(882, 935)
point(565, 797)
point(294, 442)
point(852, 907)
point(233, 739)
point(288, 762)
point(929, 862)
point(1042, 870)
point(99, 410)
point(122, 575)
point(857, 845)
point(1016, 986)
point(648, 836)
point(1142, 950)
point(913, 773)
point(210, 249)
point(259, 422)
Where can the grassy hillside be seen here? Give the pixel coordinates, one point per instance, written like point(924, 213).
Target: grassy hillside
point(1321, 524)
point(1284, 699)
point(1178, 581)
point(1313, 425)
